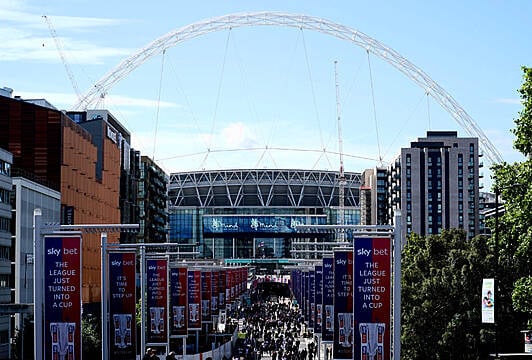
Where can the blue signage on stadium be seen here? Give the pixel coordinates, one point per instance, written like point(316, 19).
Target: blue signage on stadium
point(258, 224)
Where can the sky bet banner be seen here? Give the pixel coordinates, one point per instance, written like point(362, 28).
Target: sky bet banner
point(328, 300)
point(156, 270)
point(194, 299)
point(372, 298)
point(62, 297)
point(214, 292)
point(343, 305)
point(312, 298)
point(178, 301)
point(221, 289)
point(122, 305)
point(206, 291)
point(318, 299)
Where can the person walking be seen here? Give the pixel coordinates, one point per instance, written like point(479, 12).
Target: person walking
point(170, 356)
point(147, 356)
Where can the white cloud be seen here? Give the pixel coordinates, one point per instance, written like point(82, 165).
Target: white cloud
point(508, 101)
point(238, 135)
point(65, 100)
point(26, 37)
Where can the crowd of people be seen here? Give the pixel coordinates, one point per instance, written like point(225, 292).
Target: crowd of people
point(273, 327)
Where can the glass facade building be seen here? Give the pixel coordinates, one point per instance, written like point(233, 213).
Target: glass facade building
point(252, 215)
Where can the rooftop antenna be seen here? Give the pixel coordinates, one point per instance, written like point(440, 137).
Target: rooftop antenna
point(341, 175)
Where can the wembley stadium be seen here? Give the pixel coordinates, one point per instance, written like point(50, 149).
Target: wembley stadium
point(250, 216)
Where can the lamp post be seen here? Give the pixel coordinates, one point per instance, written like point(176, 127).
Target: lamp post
point(497, 304)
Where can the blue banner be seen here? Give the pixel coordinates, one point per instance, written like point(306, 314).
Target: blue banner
point(157, 289)
point(258, 224)
point(312, 298)
point(372, 291)
point(328, 300)
point(343, 305)
point(318, 298)
point(178, 301)
point(194, 299)
point(62, 297)
point(122, 305)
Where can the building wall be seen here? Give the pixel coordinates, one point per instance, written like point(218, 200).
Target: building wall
point(152, 198)
point(33, 135)
point(50, 149)
point(94, 202)
point(439, 182)
point(28, 197)
point(5, 247)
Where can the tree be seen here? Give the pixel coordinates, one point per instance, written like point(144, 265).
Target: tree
point(515, 228)
point(91, 335)
point(441, 281)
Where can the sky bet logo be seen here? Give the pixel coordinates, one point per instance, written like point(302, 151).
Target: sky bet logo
point(341, 262)
point(367, 252)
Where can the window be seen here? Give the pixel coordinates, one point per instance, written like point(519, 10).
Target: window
point(4, 253)
point(4, 280)
point(4, 196)
point(5, 168)
point(4, 224)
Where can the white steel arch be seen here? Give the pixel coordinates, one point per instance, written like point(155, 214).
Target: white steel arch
point(225, 22)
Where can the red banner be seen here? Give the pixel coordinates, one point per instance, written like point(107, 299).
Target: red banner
point(343, 305)
point(194, 299)
point(372, 298)
point(206, 290)
point(178, 301)
point(122, 305)
point(157, 295)
point(62, 297)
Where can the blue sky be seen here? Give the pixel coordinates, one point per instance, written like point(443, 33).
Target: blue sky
point(271, 88)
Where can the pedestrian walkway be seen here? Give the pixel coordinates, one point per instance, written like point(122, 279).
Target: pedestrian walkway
point(273, 330)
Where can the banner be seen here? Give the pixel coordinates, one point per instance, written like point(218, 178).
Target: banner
point(328, 300)
point(228, 278)
point(312, 298)
point(304, 293)
point(318, 297)
point(372, 298)
point(215, 295)
point(62, 297)
point(178, 301)
point(488, 301)
point(213, 224)
point(194, 299)
point(156, 290)
point(206, 289)
point(343, 305)
point(221, 289)
point(122, 305)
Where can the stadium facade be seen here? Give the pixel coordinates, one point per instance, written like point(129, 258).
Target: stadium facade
point(250, 216)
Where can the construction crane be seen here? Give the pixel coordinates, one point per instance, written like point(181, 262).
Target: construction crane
point(59, 47)
point(341, 176)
